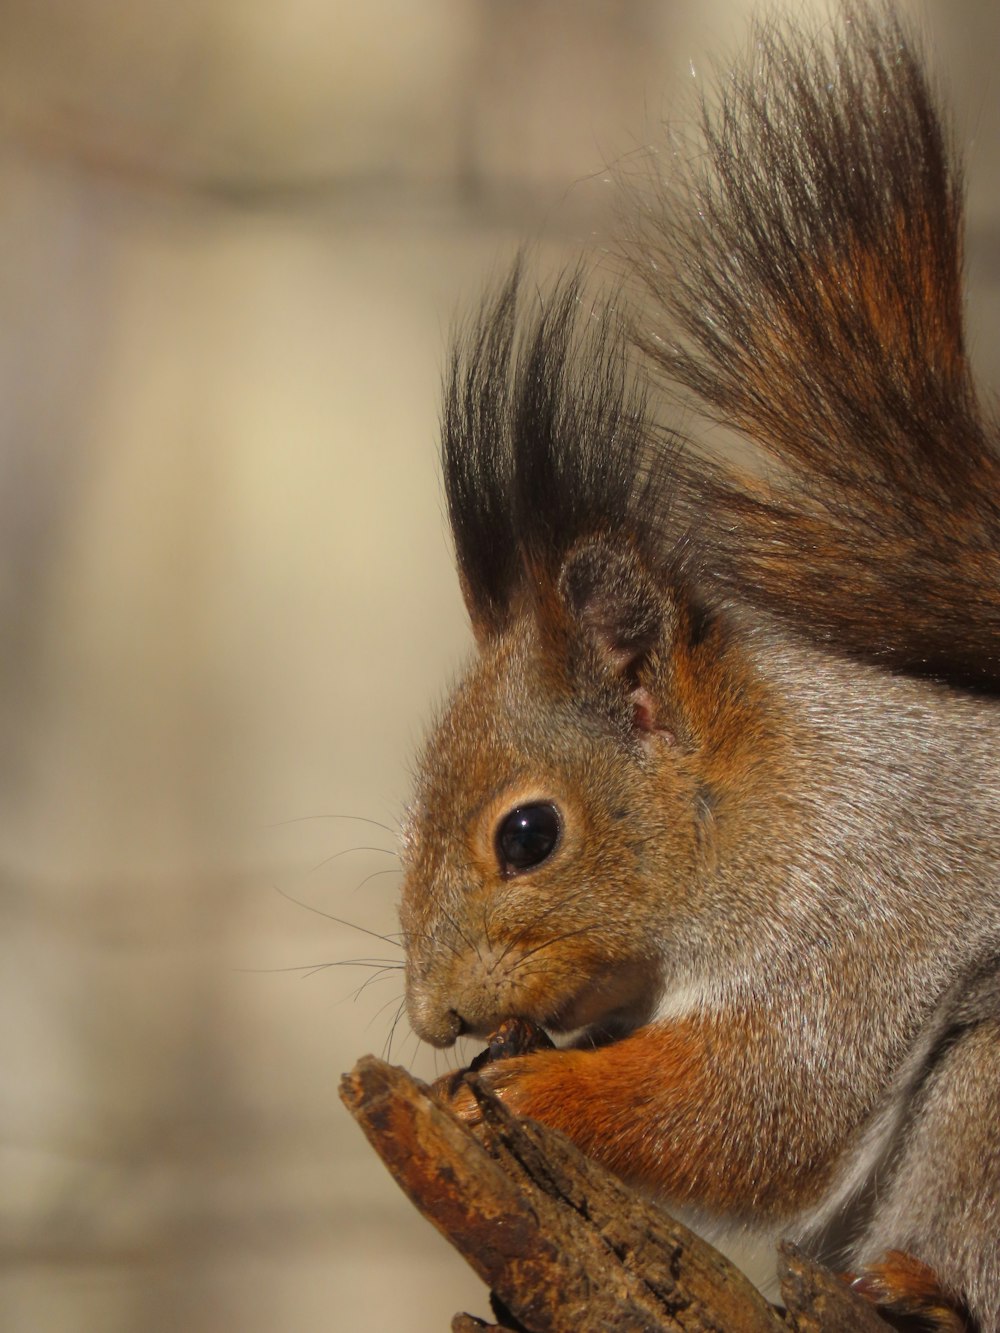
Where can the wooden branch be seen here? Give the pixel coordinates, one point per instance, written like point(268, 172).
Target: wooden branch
point(562, 1243)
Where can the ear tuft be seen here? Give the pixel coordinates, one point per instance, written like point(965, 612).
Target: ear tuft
point(609, 592)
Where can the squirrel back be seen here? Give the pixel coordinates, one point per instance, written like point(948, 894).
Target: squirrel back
point(718, 791)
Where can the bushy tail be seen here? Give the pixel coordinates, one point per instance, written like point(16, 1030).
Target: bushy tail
point(808, 261)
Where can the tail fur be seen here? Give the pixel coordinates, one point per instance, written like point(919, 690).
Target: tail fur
point(807, 262)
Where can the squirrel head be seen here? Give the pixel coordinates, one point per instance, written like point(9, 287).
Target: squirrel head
point(535, 845)
point(566, 800)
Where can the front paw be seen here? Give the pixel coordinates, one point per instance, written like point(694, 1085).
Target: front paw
point(513, 1081)
point(497, 1069)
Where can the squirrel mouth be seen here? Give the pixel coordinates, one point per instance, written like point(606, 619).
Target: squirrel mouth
point(523, 1036)
point(607, 1007)
point(588, 1021)
point(593, 1035)
point(517, 1036)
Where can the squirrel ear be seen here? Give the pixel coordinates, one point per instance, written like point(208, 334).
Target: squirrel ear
point(611, 595)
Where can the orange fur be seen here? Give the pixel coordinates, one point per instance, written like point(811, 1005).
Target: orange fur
point(903, 1287)
point(656, 1108)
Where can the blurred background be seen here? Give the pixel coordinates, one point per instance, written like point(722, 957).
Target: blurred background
point(233, 239)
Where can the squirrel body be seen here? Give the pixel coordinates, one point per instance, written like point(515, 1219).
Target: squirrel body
point(719, 792)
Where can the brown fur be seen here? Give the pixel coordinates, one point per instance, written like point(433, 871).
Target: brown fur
point(720, 786)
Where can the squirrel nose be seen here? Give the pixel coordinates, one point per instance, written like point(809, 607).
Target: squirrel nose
point(459, 1026)
point(439, 1028)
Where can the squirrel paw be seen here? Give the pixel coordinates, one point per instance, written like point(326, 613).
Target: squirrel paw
point(908, 1295)
point(511, 1054)
point(514, 1080)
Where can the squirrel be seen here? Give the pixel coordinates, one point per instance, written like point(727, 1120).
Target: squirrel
point(718, 795)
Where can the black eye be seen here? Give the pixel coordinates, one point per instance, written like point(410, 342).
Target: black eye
point(526, 836)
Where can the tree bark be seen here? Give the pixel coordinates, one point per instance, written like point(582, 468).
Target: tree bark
point(564, 1245)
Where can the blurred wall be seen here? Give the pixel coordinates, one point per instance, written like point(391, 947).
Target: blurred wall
point(233, 238)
